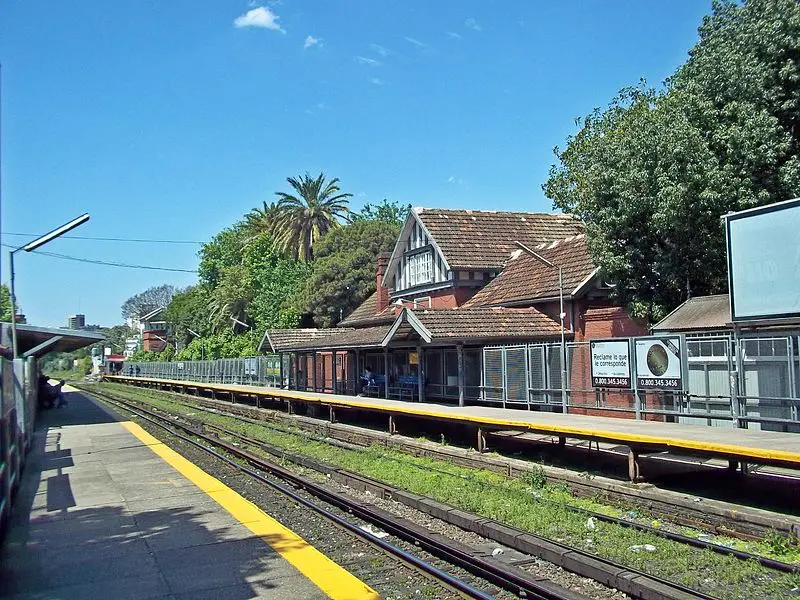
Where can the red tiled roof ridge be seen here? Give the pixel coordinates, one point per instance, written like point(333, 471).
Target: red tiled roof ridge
point(423, 209)
point(561, 242)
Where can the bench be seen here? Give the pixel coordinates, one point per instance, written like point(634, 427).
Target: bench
point(406, 386)
point(377, 387)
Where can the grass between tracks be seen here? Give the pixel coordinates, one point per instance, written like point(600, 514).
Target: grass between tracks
point(530, 504)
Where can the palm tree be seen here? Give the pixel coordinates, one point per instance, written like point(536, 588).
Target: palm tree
point(261, 220)
point(305, 218)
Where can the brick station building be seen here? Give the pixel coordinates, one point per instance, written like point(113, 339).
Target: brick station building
point(467, 310)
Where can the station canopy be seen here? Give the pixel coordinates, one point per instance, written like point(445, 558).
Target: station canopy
point(38, 341)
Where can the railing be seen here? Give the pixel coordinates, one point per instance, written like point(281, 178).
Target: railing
point(257, 370)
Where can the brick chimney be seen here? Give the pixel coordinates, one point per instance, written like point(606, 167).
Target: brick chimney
point(383, 292)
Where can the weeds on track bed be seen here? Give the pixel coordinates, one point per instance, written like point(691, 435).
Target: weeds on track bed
point(530, 504)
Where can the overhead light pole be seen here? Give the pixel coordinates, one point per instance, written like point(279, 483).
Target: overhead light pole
point(562, 315)
point(242, 323)
point(29, 247)
point(202, 345)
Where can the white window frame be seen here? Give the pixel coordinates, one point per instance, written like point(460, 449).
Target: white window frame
point(420, 268)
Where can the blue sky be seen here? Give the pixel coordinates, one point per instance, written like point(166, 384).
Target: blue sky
point(169, 120)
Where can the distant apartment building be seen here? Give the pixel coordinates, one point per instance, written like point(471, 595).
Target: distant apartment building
point(76, 321)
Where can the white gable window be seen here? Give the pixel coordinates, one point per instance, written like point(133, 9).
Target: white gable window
point(420, 268)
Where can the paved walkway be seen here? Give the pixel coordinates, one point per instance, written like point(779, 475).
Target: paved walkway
point(101, 513)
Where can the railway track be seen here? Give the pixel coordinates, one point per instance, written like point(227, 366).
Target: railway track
point(635, 583)
point(498, 574)
point(710, 516)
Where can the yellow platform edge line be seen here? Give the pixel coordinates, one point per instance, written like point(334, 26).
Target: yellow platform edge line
point(331, 578)
point(671, 443)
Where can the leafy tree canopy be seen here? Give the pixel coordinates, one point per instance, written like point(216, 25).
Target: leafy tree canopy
point(652, 174)
point(189, 310)
point(148, 300)
point(388, 212)
point(343, 273)
point(5, 303)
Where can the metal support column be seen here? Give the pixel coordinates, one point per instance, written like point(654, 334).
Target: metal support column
point(420, 374)
point(334, 373)
point(461, 374)
point(385, 372)
point(314, 368)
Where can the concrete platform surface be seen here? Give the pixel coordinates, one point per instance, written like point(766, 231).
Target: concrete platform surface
point(100, 514)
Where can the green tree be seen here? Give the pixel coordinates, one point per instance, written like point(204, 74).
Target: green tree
point(148, 300)
point(652, 174)
point(388, 212)
point(304, 218)
point(189, 310)
point(5, 303)
point(343, 273)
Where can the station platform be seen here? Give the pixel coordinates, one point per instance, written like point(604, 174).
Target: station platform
point(745, 446)
point(105, 510)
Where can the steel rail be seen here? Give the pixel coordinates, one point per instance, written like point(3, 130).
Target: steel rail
point(679, 589)
point(769, 563)
point(494, 573)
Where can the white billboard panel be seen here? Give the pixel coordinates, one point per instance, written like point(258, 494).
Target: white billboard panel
point(659, 362)
point(764, 262)
point(611, 363)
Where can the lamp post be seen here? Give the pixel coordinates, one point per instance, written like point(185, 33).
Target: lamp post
point(29, 247)
point(202, 344)
point(562, 314)
point(242, 323)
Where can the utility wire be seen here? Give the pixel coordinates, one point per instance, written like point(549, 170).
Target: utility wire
point(109, 239)
point(106, 263)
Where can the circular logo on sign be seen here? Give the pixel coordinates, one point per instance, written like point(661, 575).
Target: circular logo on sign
point(657, 360)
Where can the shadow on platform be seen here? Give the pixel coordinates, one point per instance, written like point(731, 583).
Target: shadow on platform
point(183, 547)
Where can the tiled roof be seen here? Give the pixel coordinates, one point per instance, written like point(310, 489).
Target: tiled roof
point(327, 339)
point(527, 278)
point(485, 324)
point(280, 340)
point(701, 313)
point(476, 239)
point(366, 314)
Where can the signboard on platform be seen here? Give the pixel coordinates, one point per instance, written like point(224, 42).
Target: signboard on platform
point(611, 363)
point(659, 362)
point(764, 262)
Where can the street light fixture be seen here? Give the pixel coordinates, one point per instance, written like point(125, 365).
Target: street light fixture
point(242, 323)
point(202, 344)
point(29, 247)
point(562, 314)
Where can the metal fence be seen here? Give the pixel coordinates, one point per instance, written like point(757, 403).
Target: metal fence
point(256, 370)
point(747, 382)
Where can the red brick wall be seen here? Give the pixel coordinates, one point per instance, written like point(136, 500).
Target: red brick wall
point(598, 320)
point(445, 298)
point(150, 343)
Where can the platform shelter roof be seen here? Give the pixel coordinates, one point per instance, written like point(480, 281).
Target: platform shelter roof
point(38, 341)
point(703, 313)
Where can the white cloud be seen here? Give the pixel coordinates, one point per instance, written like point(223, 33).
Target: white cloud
point(472, 24)
point(376, 81)
point(258, 17)
point(382, 50)
point(362, 60)
point(455, 180)
point(454, 35)
point(416, 42)
point(311, 41)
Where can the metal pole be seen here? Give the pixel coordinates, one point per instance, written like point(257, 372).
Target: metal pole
point(14, 353)
point(564, 400)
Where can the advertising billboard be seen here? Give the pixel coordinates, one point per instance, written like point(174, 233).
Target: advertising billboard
point(659, 362)
point(764, 262)
point(611, 363)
